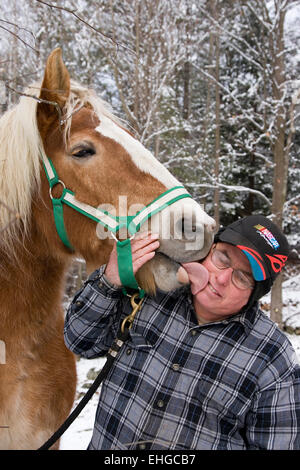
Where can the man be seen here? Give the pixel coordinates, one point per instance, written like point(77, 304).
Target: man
point(204, 368)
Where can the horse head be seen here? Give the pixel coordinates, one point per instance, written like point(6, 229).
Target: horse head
point(103, 165)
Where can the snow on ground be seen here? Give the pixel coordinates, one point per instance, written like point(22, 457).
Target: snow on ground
point(291, 310)
point(78, 436)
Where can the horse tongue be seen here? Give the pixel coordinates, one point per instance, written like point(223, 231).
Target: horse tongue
point(198, 276)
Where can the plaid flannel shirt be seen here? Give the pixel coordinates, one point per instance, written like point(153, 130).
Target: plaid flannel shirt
point(232, 384)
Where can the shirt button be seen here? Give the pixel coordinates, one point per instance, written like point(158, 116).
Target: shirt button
point(79, 303)
point(175, 367)
point(193, 332)
point(142, 446)
point(128, 351)
point(160, 404)
point(100, 284)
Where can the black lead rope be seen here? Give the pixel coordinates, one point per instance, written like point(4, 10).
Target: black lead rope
point(122, 336)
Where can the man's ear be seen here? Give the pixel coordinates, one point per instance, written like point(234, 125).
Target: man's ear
point(55, 90)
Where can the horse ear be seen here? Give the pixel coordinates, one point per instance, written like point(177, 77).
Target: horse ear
point(55, 87)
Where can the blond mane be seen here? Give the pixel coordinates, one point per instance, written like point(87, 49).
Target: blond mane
point(21, 151)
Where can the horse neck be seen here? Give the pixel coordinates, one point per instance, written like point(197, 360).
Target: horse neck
point(31, 288)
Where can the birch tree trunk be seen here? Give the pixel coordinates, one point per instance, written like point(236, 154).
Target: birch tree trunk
point(280, 151)
point(13, 63)
point(208, 97)
point(136, 105)
point(187, 74)
point(217, 111)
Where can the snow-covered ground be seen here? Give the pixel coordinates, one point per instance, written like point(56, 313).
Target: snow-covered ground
point(77, 437)
point(291, 310)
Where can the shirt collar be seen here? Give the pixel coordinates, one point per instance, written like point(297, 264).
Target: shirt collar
point(245, 317)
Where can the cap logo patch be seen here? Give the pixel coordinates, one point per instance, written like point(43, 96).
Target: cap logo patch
point(267, 235)
point(277, 262)
point(254, 258)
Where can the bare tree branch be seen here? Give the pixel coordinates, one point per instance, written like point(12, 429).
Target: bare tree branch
point(236, 188)
point(39, 100)
point(16, 217)
point(19, 27)
point(228, 93)
point(19, 38)
point(98, 31)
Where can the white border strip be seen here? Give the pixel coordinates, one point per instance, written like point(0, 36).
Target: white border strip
point(104, 218)
point(48, 166)
point(157, 204)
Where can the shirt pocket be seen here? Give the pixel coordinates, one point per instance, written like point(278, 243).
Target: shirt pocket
point(134, 353)
point(226, 402)
point(130, 362)
point(137, 342)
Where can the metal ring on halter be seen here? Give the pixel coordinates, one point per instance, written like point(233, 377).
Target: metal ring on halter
point(113, 235)
point(50, 189)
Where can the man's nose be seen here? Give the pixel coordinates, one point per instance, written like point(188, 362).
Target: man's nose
point(224, 276)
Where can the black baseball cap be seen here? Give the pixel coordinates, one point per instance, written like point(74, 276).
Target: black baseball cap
point(265, 246)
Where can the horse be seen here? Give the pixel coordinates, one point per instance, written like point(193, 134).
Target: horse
point(98, 159)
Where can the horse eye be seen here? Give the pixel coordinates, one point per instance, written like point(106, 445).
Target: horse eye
point(84, 152)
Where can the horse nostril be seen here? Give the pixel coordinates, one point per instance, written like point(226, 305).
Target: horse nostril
point(189, 227)
point(182, 225)
point(186, 225)
point(211, 227)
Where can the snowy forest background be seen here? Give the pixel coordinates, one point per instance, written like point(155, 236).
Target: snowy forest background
point(212, 87)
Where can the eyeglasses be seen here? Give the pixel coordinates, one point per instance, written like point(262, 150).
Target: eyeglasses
point(239, 278)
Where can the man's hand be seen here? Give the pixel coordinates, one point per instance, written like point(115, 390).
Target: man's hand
point(143, 248)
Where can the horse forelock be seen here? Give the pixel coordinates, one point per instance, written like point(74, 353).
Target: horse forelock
point(81, 96)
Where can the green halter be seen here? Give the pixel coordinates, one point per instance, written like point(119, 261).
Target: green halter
point(112, 223)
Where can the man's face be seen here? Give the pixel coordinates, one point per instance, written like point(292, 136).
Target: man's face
point(221, 298)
